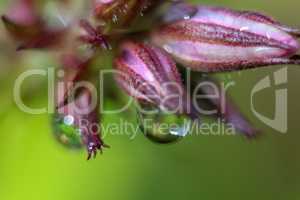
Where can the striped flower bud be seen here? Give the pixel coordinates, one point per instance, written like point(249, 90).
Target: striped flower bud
point(148, 74)
point(218, 39)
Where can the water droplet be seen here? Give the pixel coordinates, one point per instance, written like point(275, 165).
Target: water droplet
point(69, 120)
point(268, 36)
point(115, 18)
point(178, 12)
point(66, 131)
point(168, 49)
point(186, 17)
point(161, 127)
point(244, 28)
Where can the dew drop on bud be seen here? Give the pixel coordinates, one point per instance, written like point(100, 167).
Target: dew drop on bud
point(66, 132)
point(163, 127)
point(179, 11)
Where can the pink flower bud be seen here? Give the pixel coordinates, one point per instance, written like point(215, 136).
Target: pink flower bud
point(218, 39)
point(24, 24)
point(148, 74)
point(22, 20)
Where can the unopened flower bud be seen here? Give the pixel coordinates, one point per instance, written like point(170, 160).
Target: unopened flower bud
point(22, 20)
point(24, 24)
point(218, 39)
point(148, 74)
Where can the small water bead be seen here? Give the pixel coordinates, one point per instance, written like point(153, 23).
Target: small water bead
point(179, 11)
point(66, 132)
point(115, 18)
point(186, 17)
point(162, 127)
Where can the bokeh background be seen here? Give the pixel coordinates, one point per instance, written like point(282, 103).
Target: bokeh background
point(34, 166)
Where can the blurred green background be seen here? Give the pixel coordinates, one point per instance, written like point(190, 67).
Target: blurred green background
point(34, 166)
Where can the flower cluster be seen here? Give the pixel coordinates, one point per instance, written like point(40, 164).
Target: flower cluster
point(202, 38)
